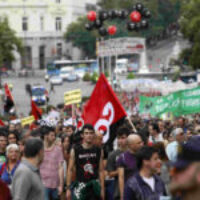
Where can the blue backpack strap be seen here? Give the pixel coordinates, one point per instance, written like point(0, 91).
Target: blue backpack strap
point(2, 168)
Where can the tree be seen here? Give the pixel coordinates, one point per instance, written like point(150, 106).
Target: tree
point(190, 23)
point(80, 37)
point(8, 43)
point(164, 13)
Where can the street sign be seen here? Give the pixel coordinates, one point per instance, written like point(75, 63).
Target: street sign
point(72, 97)
point(27, 120)
point(120, 46)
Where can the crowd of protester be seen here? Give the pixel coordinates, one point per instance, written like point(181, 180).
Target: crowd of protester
point(160, 160)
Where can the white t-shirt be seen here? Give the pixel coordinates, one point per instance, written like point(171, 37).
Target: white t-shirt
point(158, 138)
point(150, 182)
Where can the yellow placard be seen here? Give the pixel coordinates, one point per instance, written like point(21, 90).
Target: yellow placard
point(27, 120)
point(72, 97)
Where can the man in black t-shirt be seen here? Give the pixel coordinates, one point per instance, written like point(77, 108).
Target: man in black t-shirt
point(87, 161)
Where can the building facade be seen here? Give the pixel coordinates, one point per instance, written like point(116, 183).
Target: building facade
point(41, 24)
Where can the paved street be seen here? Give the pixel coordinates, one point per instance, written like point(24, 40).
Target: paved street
point(22, 99)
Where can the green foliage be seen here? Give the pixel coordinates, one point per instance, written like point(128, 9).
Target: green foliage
point(80, 37)
point(130, 75)
point(106, 74)
point(190, 23)
point(176, 75)
point(8, 43)
point(86, 77)
point(94, 77)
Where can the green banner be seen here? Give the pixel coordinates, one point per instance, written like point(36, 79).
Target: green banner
point(178, 103)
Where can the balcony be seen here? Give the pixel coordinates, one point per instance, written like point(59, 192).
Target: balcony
point(40, 34)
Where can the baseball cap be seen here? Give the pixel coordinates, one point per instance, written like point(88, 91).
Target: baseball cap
point(189, 152)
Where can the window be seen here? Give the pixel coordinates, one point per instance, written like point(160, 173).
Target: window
point(41, 23)
point(58, 23)
point(42, 56)
point(26, 59)
point(59, 49)
point(25, 24)
point(90, 6)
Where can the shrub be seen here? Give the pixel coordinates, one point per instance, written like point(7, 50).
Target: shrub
point(130, 76)
point(86, 77)
point(94, 77)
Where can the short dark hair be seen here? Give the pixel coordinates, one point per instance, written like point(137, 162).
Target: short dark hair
point(3, 134)
point(88, 126)
point(36, 133)
point(155, 127)
point(32, 147)
point(15, 133)
point(45, 130)
point(71, 126)
point(123, 131)
point(145, 153)
point(4, 130)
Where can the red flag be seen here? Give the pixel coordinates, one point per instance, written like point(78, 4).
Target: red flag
point(103, 108)
point(36, 112)
point(8, 93)
point(9, 103)
point(1, 123)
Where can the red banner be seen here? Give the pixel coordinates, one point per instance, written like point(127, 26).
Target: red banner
point(36, 112)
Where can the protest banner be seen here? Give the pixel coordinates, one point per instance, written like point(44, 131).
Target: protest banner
point(27, 120)
point(72, 97)
point(178, 103)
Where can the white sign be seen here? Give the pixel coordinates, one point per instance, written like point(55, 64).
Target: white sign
point(126, 45)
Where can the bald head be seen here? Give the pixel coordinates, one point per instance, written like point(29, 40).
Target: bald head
point(134, 142)
point(132, 138)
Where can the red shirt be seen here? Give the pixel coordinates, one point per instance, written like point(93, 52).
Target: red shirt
point(4, 191)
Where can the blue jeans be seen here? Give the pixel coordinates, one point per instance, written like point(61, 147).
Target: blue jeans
point(109, 189)
point(51, 194)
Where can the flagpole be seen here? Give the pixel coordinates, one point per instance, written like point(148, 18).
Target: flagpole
point(73, 114)
point(131, 123)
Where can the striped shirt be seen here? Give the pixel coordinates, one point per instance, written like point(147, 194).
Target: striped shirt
point(50, 165)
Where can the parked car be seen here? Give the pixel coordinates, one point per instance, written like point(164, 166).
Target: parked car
point(80, 72)
point(65, 72)
point(56, 80)
point(72, 77)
